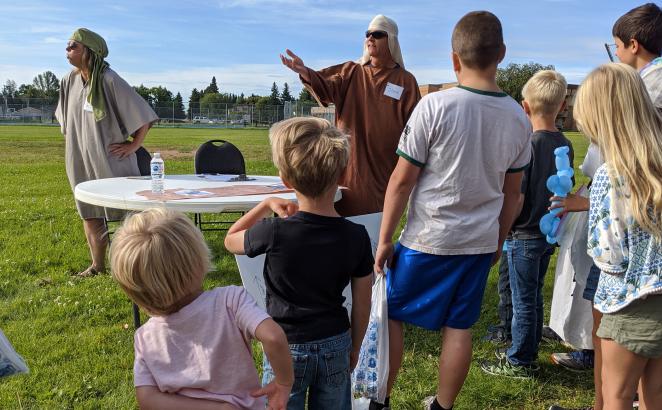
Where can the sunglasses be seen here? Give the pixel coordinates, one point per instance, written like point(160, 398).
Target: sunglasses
point(71, 46)
point(375, 34)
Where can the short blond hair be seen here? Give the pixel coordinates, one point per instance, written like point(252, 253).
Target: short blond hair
point(156, 256)
point(309, 153)
point(545, 92)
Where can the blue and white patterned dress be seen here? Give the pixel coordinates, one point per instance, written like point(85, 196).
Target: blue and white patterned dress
point(629, 257)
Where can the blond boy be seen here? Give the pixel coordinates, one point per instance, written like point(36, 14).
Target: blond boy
point(312, 254)
point(194, 352)
point(528, 250)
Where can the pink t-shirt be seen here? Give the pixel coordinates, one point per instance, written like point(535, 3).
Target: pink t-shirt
point(203, 351)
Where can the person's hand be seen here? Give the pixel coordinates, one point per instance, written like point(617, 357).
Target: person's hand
point(571, 203)
point(295, 63)
point(497, 255)
point(383, 256)
point(282, 207)
point(123, 149)
point(353, 359)
point(277, 395)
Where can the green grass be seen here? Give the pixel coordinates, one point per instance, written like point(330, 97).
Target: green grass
point(76, 335)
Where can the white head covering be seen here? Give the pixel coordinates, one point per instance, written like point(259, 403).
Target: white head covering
point(383, 23)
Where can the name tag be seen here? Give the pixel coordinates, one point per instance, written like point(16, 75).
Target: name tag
point(87, 106)
point(393, 91)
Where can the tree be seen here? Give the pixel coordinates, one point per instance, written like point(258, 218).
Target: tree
point(274, 98)
point(193, 104)
point(47, 85)
point(161, 96)
point(512, 78)
point(28, 91)
point(145, 93)
point(241, 99)
point(212, 88)
point(179, 107)
point(305, 96)
point(10, 92)
point(285, 95)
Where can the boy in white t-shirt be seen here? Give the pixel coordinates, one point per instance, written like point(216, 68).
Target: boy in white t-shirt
point(462, 154)
point(194, 352)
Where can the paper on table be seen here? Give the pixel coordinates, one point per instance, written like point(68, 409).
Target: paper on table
point(209, 192)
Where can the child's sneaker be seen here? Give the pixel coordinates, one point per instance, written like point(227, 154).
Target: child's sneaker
point(577, 361)
point(557, 407)
point(496, 334)
point(505, 368)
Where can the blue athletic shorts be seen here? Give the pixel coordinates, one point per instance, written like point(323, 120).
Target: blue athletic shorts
point(435, 291)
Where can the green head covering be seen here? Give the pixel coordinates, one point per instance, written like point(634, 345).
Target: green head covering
point(97, 46)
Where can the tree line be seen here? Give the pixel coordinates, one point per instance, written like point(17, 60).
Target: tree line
point(46, 86)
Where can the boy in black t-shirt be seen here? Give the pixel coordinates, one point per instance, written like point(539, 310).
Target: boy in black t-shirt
point(528, 250)
point(311, 255)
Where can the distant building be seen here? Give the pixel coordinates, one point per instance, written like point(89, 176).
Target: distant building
point(564, 120)
point(328, 113)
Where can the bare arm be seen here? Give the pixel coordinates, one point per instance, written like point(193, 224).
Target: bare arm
point(361, 296)
point(571, 203)
point(399, 188)
point(234, 240)
point(150, 397)
point(277, 350)
point(512, 205)
point(295, 63)
point(129, 147)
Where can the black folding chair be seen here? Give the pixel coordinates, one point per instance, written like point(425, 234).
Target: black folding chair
point(217, 157)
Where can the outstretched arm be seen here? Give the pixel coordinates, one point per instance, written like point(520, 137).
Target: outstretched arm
point(295, 63)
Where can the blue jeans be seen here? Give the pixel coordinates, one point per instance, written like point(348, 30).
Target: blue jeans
point(527, 264)
point(321, 369)
point(505, 307)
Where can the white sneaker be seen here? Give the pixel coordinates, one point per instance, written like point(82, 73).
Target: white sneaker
point(427, 402)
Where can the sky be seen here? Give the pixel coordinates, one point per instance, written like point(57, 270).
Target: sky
point(182, 44)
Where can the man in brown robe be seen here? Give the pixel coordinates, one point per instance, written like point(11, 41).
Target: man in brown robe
point(374, 98)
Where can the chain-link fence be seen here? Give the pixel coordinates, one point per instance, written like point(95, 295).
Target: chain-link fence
point(41, 111)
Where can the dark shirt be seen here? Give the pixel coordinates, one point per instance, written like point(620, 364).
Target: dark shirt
point(534, 183)
point(310, 259)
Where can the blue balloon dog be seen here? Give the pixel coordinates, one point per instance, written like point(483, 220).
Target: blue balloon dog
point(560, 184)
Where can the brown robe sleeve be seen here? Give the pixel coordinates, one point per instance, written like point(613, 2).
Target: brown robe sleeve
point(329, 85)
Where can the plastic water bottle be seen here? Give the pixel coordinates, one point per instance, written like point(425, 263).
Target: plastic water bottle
point(157, 168)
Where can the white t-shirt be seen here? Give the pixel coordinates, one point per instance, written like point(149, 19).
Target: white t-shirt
point(652, 76)
point(464, 140)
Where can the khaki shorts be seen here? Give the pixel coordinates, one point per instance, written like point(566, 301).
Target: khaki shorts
point(637, 327)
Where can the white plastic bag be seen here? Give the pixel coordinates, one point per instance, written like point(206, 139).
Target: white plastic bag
point(371, 373)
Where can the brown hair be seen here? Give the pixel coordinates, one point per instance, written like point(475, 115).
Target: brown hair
point(158, 256)
point(644, 24)
point(309, 153)
point(478, 39)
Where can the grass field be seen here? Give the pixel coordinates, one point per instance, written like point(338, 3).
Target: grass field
point(76, 335)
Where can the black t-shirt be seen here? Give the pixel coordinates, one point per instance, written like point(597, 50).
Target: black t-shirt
point(534, 182)
point(310, 259)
